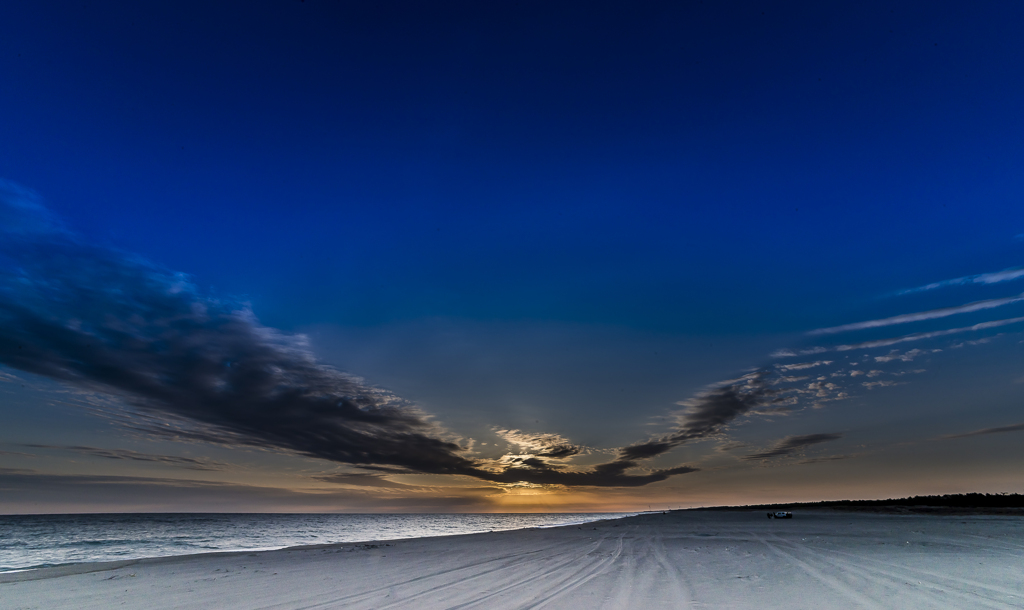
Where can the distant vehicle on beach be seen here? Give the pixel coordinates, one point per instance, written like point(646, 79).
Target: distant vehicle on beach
point(780, 515)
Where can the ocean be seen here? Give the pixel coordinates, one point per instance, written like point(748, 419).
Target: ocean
point(35, 541)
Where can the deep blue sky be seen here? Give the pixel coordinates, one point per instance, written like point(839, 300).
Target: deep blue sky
point(559, 218)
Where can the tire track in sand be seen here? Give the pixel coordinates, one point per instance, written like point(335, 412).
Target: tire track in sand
point(448, 574)
point(831, 582)
point(646, 572)
point(940, 582)
point(580, 577)
point(676, 580)
point(536, 570)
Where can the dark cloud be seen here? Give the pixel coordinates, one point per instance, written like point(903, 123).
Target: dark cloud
point(560, 452)
point(793, 444)
point(708, 414)
point(111, 322)
point(135, 456)
point(705, 416)
point(983, 431)
point(642, 451)
point(612, 474)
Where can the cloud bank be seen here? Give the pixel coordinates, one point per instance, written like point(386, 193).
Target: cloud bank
point(111, 322)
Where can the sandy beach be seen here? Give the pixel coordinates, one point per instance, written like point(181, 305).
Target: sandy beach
point(689, 559)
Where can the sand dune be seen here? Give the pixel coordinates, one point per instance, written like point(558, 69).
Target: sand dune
point(689, 559)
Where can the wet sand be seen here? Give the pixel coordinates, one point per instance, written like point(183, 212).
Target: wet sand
point(689, 559)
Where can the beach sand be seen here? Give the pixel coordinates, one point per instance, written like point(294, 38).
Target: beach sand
point(686, 559)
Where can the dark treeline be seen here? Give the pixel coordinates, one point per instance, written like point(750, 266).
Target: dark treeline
point(965, 501)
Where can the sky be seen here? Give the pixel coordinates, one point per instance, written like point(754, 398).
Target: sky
point(508, 256)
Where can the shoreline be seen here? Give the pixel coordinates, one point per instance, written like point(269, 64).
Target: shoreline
point(83, 567)
point(76, 567)
point(718, 558)
point(88, 567)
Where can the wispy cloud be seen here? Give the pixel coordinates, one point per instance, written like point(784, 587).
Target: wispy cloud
point(981, 341)
point(828, 458)
point(913, 372)
point(802, 365)
point(895, 354)
point(921, 316)
point(994, 277)
point(21, 453)
point(879, 384)
point(793, 444)
point(360, 479)
point(984, 431)
point(792, 353)
point(16, 471)
point(22, 213)
point(929, 335)
point(135, 456)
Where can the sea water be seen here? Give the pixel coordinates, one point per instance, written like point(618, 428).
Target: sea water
point(33, 541)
